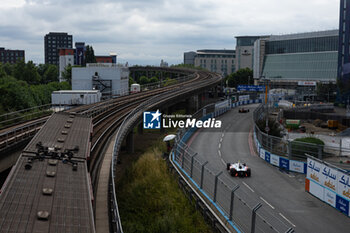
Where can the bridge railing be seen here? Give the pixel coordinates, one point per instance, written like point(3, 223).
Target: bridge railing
point(241, 211)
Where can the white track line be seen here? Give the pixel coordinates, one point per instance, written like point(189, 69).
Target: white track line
point(219, 152)
point(220, 139)
point(267, 203)
point(248, 187)
point(222, 135)
point(219, 145)
point(223, 161)
point(287, 219)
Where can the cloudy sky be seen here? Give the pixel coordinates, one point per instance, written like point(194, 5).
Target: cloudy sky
point(144, 32)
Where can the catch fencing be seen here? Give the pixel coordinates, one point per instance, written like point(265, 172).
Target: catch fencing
point(287, 153)
point(243, 213)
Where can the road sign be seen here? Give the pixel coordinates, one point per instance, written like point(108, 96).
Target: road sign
point(250, 88)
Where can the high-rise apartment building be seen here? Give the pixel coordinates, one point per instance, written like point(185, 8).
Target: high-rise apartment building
point(10, 56)
point(53, 42)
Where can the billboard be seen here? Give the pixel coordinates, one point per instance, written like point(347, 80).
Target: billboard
point(250, 88)
point(329, 184)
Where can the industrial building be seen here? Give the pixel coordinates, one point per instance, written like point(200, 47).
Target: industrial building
point(11, 56)
point(75, 97)
point(53, 42)
point(108, 78)
point(220, 61)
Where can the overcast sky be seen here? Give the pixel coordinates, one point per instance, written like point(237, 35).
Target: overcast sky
point(144, 32)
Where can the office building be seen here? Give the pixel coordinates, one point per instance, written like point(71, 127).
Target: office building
point(219, 61)
point(79, 53)
point(245, 51)
point(297, 61)
point(310, 56)
point(163, 63)
point(11, 56)
point(53, 42)
point(189, 58)
point(111, 58)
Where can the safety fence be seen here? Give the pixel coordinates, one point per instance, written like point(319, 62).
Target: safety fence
point(328, 183)
point(243, 214)
point(286, 153)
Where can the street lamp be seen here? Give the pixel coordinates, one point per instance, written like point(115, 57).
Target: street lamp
point(267, 129)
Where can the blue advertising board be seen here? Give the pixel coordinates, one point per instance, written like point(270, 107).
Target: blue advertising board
point(284, 163)
point(267, 156)
point(342, 205)
point(250, 88)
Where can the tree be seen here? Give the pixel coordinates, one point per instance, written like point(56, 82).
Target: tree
point(2, 71)
point(153, 80)
point(26, 72)
point(131, 81)
point(67, 74)
point(90, 55)
point(15, 94)
point(169, 81)
point(143, 80)
point(50, 74)
point(8, 68)
point(240, 77)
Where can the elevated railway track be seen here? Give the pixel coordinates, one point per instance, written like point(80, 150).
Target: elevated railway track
point(121, 115)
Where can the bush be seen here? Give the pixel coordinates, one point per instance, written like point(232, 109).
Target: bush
point(309, 145)
point(150, 200)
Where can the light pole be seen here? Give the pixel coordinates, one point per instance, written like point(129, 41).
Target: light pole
point(267, 129)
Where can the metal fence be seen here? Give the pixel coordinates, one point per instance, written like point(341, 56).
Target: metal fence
point(285, 147)
point(246, 214)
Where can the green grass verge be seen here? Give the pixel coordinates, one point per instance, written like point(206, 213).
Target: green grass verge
point(150, 200)
point(299, 148)
point(311, 140)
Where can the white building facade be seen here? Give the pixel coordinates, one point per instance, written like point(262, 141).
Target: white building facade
point(66, 57)
point(109, 79)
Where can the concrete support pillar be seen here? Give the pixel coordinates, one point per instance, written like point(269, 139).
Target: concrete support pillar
point(215, 92)
point(187, 106)
point(194, 103)
point(140, 128)
point(130, 142)
point(201, 100)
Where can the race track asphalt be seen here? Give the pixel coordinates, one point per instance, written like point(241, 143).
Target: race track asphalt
point(285, 202)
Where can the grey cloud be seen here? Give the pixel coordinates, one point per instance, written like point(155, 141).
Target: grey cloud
point(143, 32)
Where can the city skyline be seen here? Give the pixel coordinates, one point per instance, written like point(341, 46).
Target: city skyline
point(146, 33)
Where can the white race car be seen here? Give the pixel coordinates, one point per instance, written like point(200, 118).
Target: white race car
point(239, 169)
